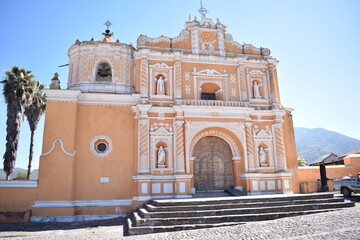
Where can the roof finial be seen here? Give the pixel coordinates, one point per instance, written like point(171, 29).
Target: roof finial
point(107, 24)
point(202, 10)
point(107, 33)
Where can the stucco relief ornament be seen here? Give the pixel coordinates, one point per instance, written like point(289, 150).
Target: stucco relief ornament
point(160, 86)
point(161, 160)
point(262, 157)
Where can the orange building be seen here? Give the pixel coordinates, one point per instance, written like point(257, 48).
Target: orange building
point(167, 119)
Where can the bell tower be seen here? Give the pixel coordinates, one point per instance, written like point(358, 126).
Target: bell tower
point(102, 66)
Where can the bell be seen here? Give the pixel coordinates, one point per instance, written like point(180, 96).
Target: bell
point(103, 72)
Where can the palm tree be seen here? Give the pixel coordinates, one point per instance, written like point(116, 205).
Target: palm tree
point(33, 113)
point(17, 96)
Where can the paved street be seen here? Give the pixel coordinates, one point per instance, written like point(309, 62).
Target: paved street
point(340, 224)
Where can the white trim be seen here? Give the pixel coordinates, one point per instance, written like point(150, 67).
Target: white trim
point(265, 193)
point(162, 177)
point(92, 98)
point(19, 183)
point(265, 175)
point(78, 218)
point(327, 166)
point(62, 148)
point(62, 95)
point(83, 203)
point(146, 198)
point(353, 156)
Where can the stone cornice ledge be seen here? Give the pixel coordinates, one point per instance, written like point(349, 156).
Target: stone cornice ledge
point(109, 99)
point(62, 95)
point(91, 98)
point(19, 183)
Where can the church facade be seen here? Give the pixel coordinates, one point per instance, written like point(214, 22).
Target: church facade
point(168, 119)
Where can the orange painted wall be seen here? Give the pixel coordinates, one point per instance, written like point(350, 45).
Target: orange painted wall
point(16, 199)
point(290, 149)
point(117, 123)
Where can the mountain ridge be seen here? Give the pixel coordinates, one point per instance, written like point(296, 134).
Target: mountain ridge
point(312, 143)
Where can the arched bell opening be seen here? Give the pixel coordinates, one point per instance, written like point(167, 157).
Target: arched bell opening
point(103, 72)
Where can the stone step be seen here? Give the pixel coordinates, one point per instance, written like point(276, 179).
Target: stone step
point(242, 199)
point(152, 208)
point(182, 214)
point(243, 211)
point(129, 229)
point(218, 219)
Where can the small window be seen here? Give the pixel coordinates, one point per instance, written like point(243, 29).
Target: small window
point(103, 72)
point(208, 96)
point(101, 147)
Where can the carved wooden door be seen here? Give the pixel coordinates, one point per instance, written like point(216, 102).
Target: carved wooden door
point(213, 164)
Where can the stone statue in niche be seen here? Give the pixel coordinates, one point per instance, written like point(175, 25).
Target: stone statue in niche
point(161, 158)
point(256, 90)
point(160, 86)
point(262, 157)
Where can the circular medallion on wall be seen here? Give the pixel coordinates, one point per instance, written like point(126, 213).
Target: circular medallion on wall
point(101, 146)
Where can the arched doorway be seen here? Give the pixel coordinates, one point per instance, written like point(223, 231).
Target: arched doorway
point(213, 168)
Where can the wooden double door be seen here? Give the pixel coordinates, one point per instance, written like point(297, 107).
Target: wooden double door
point(213, 169)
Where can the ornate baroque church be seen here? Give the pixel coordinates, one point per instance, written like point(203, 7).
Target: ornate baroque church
point(167, 119)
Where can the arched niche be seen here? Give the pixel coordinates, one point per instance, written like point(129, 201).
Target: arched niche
point(162, 146)
point(257, 88)
point(160, 90)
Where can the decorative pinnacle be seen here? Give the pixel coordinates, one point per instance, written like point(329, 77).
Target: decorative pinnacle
point(202, 10)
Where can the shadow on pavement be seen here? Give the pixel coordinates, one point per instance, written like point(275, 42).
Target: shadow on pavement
point(34, 227)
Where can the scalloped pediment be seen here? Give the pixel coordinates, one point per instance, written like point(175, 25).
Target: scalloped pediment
point(208, 72)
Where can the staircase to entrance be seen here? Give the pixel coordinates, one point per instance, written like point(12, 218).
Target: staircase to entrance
point(183, 214)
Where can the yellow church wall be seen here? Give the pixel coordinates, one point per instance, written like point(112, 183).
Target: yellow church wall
point(56, 166)
point(117, 123)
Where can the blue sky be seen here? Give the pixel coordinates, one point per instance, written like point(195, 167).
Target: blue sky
point(316, 42)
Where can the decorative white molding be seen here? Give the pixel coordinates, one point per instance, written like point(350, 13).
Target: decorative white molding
point(266, 175)
point(82, 203)
point(162, 177)
point(108, 99)
point(19, 183)
point(62, 95)
point(92, 98)
point(62, 148)
point(147, 198)
point(108, 143)
point(77, 218)
point(210, 72)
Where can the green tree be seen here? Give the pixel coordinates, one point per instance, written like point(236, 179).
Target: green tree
point(33, 113)
point(17, 95)
point(20, 176)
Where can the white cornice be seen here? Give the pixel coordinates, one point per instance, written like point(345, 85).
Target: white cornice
point(108, 99)
point(19, 183)
point(62, 95)
point(91, 98)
